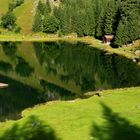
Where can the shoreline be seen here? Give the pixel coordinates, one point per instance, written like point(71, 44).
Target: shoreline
point(123, 51)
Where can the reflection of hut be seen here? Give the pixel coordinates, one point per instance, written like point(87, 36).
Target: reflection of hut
point(108, 38)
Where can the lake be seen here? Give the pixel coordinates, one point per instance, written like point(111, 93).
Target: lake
point(41, 71)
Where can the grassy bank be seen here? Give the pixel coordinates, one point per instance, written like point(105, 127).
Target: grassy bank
point(111, 117)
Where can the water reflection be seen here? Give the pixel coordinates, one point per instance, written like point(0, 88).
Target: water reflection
point(59, 70)
point(87, 67)
point(23, 68)
point(10, 49)
point(15, 98)
point(5, 66)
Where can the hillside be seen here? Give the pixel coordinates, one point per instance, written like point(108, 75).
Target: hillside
point(24, 13)
point(66, 79)
point(3, 6)
point(115, 116)
point(94, 18)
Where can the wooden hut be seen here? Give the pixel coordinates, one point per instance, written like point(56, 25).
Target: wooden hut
point(108, 38)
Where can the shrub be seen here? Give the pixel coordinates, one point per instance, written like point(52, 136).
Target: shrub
point(11, 6)
point(8, 21)
point(19, 2)
point(14, 4)
point(17, 29)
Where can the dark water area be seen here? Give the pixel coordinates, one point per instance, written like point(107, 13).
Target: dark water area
point(15, 98)
point(42, 71)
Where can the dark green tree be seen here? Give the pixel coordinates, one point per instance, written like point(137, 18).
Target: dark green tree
point(9, 21)
point(37, 26)
point(121, 34)
point(109, 17)
point(51, 24)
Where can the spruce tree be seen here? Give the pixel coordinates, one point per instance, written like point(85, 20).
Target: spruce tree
point(109, 17)
point(121, 34)
point(38, 23)
point(99, 27)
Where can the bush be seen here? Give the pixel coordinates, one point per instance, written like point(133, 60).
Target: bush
point(8, 21)
point(17, 29)
point(14, 4)
point(51, 24)
point(19, 2)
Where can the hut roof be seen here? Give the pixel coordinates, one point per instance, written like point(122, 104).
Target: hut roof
point(109, 36)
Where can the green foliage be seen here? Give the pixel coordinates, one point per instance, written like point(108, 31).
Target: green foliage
point(37, 26)
point(121, 36)
point(128, 28)
point(51, 24)
point(77, 16)
point(43, 10)
point(14, 4)
point(17, 29)
point(109, 17)
point(92, 17)
point(8, 21)
point(19, 2)
point(11, 6)
point(99, 27)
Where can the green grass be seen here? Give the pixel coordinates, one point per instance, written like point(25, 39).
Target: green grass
point(115, 116)
point(3, 6)
point(25, 15)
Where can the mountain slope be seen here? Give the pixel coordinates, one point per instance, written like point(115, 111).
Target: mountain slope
point(3, 6)
point(24, 13)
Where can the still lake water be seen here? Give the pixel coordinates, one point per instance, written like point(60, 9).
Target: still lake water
point(41, 71)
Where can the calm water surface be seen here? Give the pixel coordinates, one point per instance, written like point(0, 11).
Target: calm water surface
point(41, 71)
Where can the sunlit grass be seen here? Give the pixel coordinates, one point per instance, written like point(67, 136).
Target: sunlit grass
point(3, 7)
point(77, 118)
point(25, 15)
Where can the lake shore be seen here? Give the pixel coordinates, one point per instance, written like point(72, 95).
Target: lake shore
point(124, 50)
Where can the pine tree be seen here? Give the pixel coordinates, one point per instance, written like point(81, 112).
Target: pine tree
point(51, 24)
point(121, 34)
point(109, 17)
point(38, 23)
point(99, 27)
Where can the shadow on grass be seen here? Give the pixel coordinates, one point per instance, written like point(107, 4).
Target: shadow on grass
point(32, 129)
point(114, 128)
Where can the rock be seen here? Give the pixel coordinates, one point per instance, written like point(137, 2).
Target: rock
point(137, 53)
